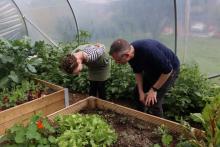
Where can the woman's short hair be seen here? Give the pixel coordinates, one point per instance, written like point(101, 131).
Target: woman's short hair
point(69, 63)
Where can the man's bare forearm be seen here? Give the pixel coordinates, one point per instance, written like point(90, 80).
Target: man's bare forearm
point(162, 79)
point(139, 81)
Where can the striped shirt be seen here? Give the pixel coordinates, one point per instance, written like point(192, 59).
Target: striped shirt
point(94, 52)
point(97, 61)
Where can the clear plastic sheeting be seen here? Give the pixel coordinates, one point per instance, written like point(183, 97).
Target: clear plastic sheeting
point(107, 20)
point(11, 23)
point(50, 20)
point(199, 34)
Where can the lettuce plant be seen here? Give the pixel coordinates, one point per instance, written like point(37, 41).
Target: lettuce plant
point(84, 130)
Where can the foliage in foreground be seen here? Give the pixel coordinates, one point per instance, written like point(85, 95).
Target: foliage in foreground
point(38, 132)
point(71, 130)
point(209, 118)
point(84, 130)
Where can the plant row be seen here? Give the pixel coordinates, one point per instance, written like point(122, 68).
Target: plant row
point(26, 91)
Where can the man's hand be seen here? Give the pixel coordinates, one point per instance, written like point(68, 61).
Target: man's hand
point(151, 98)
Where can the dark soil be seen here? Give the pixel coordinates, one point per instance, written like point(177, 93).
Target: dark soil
point(131, 132)
point(75, 97)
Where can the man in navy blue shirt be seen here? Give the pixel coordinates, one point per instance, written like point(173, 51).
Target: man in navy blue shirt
point(155, 66)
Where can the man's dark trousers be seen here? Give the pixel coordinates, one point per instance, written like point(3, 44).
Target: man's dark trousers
point(156, 109)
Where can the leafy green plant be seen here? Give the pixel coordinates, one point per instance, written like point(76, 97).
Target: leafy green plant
point(166, 138)
point(121, 83)
point(51, 58)
point(84, 36)
point(28, 90)
point(38, 132)
point(80, 83)
point(190, 93)
point(49, 68)
point(210, 119)
point(15, 63)
point(84, 130)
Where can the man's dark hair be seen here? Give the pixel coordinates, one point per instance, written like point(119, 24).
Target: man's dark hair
point(119, 45)
point(69, 63)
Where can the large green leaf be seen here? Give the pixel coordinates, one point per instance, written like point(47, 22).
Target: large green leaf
point(36, 61)
point(197, 117)
point(32, 132)
point(13, 76)
point(167, 139)
point(3, 81)
point(52, 139)
point(20, 136)
point(31, 68)
point(6, 59)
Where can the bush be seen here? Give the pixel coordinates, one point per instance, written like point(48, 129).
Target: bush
point(189, 95)
point(15, 62)
point(121, 83)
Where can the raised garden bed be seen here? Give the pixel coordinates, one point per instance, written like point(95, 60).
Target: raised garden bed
point(46, 104)
point(134, 128)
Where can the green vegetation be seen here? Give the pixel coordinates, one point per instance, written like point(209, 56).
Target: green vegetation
point(38, 132)
point(84, 130)
point(210, 119)
point(70, 130)
point(190, 93)
point(26, 91)
point(166, 138)
point(16, 62)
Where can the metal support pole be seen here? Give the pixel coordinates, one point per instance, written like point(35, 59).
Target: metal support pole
point(215, 76)
point(66, 97)
point(77, 29)
point(39, 30)
point(25, 25)
point(175, 19)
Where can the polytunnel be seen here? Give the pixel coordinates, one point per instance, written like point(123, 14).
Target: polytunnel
point(69, 78)
point(190, 27)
